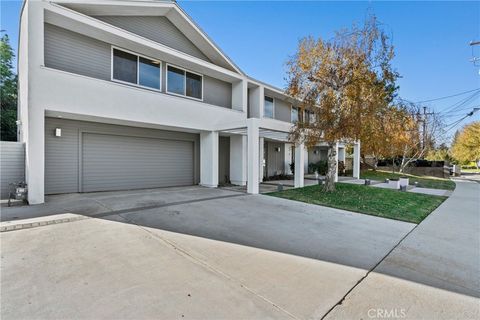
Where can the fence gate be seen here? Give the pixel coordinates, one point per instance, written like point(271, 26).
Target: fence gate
point(12, 165)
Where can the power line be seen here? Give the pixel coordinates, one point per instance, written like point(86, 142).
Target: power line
point(446, 97)
point(457, 122)
point(461, 103)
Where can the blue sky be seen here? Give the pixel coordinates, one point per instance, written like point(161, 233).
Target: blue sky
point(431, 39)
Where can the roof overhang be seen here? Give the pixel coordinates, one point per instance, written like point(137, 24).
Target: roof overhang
point(169, 9)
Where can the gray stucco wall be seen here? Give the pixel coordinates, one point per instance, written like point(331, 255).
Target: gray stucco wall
point(158, 29)
point(12, 165)
point(275, 159)
point(62, 153)
point(282, 110)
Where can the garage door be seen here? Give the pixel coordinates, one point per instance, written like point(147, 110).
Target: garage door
point(114, 162)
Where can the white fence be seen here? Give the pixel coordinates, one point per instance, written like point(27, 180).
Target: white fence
point(12, 165)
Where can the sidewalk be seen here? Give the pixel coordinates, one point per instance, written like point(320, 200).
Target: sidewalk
point(434, 272)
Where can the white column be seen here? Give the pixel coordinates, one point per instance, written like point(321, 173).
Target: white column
point(209, 159)
point(356, 160)
point(35, 156)
point(253, 156)
point(299, 165)
point(32, 111)
point(287, 157)
point(239, 95)
point(336, 161)
point(305, 161)
point(262, 162)
point(261, 102)
point(238, 160)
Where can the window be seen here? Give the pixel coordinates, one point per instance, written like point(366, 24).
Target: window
point(148, 73)
point(185, 83)
point(294, 115)
point(124, 66)
point(268, 107)
point(131, 68)
point(175, 80)
point(309, 116)
point(194, 85)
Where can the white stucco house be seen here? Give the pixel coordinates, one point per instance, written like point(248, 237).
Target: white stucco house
point(120, 95)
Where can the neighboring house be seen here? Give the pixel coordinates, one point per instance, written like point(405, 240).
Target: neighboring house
point(133, 94)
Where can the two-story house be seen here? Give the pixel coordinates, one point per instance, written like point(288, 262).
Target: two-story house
point(118, 95)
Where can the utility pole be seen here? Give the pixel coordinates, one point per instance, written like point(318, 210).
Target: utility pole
point(424, 125)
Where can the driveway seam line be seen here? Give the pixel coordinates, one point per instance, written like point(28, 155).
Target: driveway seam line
point(184, 253)
point(104, 214)
point(368, 273)
point(114, 212)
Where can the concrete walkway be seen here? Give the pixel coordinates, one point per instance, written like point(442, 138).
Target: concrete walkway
point(435, 271)
point(380, 184)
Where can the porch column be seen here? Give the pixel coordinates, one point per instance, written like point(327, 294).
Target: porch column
point(253, 156)
point(299, 165)
point(287, 157)
point(238, 160)
point(336, 161)
point(262, 161)
point(305, 160)
point(209, 159)
point(356, 160)
point(35, 155)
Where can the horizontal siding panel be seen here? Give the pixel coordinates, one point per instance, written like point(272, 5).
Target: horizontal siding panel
point(12, 165)
point(217, 92)
point(158, 29)
point(72, 52)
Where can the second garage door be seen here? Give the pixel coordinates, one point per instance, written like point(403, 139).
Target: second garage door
point(115, 162)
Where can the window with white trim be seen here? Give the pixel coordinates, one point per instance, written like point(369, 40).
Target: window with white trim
point(268, 107)
point(294, 115)
point(185, 83)
point(139, 70)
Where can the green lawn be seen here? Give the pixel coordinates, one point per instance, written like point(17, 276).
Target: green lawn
point(387, 203)
point(425, 182)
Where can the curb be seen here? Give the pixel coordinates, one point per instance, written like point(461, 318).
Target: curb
point(19, 225)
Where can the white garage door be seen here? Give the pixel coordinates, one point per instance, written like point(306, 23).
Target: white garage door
point(114, 162)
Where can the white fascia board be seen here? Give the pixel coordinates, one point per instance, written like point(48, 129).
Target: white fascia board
point(81, 23)
point(201, 33)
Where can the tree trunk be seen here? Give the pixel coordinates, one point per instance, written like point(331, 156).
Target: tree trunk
point(332, 168)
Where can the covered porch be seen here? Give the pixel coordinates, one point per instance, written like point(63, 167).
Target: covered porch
point(260, 151)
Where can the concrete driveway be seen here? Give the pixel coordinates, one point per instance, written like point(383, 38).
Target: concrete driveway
point(186, 253)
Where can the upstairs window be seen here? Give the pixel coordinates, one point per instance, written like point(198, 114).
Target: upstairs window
point(309, 117)
point(135, 69)
point(294, 115)
point(184, 83)
point(268, 107)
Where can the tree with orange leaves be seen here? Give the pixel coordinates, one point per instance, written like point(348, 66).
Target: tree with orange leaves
point(347, 83)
